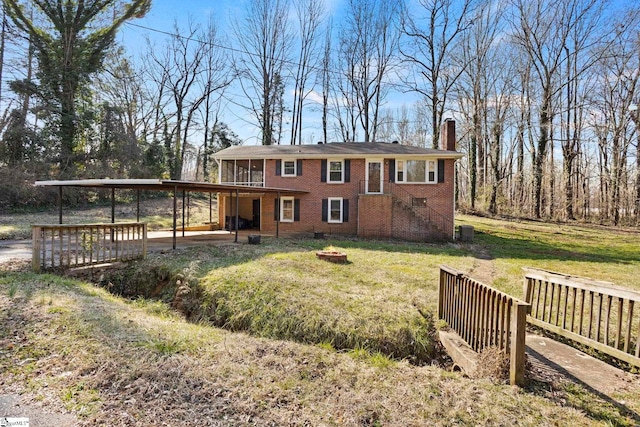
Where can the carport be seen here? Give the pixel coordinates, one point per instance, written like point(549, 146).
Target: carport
point(174, 186)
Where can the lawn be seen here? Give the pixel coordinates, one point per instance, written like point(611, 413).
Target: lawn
point(601, 253)
point(270, 335)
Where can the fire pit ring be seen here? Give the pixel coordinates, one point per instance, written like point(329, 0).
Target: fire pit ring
point(332, 256)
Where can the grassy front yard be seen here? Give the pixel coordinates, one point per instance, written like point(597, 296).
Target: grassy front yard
point(277, 337)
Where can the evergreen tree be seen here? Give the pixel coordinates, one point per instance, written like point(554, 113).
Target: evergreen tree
point(71, 39)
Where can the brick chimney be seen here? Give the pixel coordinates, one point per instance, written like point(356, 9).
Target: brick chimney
point(448, 135)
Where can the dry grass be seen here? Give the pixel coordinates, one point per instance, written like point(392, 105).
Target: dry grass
point(110, 361)
point(113, 362)
point(280, 289)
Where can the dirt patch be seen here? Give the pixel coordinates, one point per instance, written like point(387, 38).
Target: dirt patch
point(483, 269)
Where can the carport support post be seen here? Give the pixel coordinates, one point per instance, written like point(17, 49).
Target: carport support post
point(188, 208)
point(230, 211)
point(237, 213)
point(175, 218)
point(183, 197)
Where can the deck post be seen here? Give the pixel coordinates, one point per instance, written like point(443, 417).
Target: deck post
point(60, 204)
point(138, 205)
point(518, 341)
point(113, 205)
point(35, 249)
point(144, 240)
point(441, 294)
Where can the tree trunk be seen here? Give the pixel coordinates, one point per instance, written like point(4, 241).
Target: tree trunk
point(538, 161)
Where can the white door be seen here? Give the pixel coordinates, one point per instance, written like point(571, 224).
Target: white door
point(374, 176)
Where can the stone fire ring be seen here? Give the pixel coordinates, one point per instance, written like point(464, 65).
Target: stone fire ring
point(332, 256)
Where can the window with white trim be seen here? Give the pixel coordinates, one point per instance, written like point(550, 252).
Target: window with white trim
point(336, 171)
point(289, 168)
point(417, 171)
point(400, 171)
point(335, 209)
point(286, 209)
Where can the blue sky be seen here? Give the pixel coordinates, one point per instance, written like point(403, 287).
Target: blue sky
point(162, 16)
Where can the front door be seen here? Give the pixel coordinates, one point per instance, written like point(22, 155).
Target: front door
point(374, 176)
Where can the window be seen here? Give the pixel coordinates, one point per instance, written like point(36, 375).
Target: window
point(400, 171)
point(242, 172)
point(289, 168)
point(431, 171)
point(286, 209)
point(335, 209)
point(336, 171)
point(416, 171)
point(419, 202)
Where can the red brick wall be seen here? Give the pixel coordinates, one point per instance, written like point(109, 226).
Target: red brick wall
point(376, 212)
point(376, 215)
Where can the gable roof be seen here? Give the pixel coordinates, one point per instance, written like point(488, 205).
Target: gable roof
point(348, 150)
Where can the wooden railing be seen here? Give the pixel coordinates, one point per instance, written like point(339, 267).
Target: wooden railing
point(64, 246)
point(596, 314)
point(484, 317)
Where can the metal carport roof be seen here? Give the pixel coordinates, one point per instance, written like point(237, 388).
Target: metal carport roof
point(162, 185)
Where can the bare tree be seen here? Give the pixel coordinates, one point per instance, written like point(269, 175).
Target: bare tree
point(620, 84)
point(309, 14)
point(432, 32)
point(325, 78)
point(479, 59)
point(542, 30)
point(368, 43)
point(264, 37)
point(183, 71)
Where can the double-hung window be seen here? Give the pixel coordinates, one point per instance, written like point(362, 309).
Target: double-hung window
point(335, 209)
point(336, 171)
point(286, 209)
point(289, 168)
point(417, 171)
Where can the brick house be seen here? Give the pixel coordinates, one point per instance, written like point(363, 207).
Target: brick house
point(364, 189)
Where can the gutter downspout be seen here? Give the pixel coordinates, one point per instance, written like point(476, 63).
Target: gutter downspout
point(278, 216)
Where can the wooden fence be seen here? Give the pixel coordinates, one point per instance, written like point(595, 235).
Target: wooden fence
point(65, 246)
point(593, 313)
point(484, 317)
